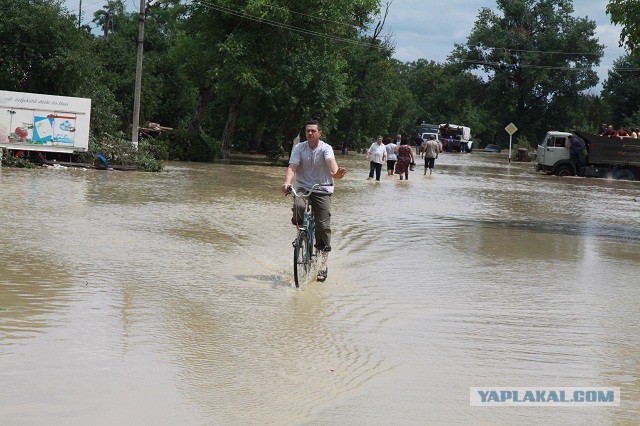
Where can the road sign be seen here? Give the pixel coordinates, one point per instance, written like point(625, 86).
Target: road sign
point(511, 129)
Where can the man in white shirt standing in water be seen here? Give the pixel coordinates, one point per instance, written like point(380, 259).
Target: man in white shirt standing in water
point(378, 154)
point(312, 162)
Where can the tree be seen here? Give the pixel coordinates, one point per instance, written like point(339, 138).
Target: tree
point(621, 90)
point(42, 51)
point(167, 95)
point(538, 59)
point(368, 56)
point(245, 52)
point(104, 18)
point(626, 13)
point(447, 93)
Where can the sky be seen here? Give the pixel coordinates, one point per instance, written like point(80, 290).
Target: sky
point(419, 32)
point(429, 28)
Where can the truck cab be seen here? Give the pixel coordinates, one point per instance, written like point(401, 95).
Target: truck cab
point(428, 130)
point(553, 155)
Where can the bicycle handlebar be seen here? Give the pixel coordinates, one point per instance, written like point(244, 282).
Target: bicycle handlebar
point(314, 188)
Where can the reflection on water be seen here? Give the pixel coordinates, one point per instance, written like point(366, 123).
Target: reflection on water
point(170, 296)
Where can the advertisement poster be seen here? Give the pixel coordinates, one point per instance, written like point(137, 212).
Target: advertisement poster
point(42, 129)
point(64, 129)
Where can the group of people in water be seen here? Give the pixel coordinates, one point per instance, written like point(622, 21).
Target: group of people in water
point(609, 131)
point(399, 156)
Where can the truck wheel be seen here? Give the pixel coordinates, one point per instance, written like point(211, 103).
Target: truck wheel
point(623, 174)
point(564, 170)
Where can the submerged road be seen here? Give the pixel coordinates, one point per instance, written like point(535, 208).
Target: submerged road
point(142, 298)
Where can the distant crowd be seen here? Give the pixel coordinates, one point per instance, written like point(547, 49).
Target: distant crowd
point(399, 156)
point(609, 131)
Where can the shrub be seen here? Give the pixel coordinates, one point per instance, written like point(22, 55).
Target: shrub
point(187, 145)
point(523, 142)
point(119, 150)
point(9, 160)
point(275, 152)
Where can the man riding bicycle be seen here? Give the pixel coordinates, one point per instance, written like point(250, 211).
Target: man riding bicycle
point(311, 163)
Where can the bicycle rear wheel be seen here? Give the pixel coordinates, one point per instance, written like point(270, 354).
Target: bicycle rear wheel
point(301, 261)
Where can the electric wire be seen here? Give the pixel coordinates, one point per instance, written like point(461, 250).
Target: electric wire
point(245, 15)
point(355, 27)
point(282, 25)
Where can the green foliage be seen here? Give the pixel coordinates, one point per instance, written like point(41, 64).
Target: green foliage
point(625, 13)
point(622, 89)
point(282, 76)
point(41, 50)
point(446, 93)
point(275, 153)
point(214, 146)
point(117, 149)
point(9, 160)
point(199, 56)
point(157, 148)
point(589, 112)
point(633, 121)
point(523, 142)
point(528, 82)
point(186, 145)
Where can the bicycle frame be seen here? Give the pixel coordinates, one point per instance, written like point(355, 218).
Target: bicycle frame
point(309, 226)
point(306, 233)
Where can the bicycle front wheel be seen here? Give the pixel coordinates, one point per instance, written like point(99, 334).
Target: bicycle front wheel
point(301, 261)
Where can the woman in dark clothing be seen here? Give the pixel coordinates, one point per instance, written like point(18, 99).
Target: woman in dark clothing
point(405, 158)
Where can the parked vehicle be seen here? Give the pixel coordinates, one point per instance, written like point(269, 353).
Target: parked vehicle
point(492, 148)
point(610, 157)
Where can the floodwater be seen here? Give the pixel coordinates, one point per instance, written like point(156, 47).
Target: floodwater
point(141, 298)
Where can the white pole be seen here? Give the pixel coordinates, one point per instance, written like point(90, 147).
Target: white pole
point(510, 136)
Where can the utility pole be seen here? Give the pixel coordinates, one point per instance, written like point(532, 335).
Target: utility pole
point(138, 89)
point(80, 15)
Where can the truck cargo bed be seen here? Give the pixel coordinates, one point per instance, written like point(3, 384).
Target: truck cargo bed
point(611, 150)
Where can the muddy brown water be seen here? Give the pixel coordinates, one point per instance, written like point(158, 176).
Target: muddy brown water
point(141, 298)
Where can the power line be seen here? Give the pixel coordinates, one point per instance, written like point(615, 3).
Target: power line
point(547, 67)
point(249, 16)
point(315, 17)
point(241, 14)
point(246, 15)
point(281, 25)
point(552, 52)
point(87, 5)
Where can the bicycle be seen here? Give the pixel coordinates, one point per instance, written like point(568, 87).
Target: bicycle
point(304, 253)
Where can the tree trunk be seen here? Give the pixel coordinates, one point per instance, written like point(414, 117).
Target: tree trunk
point(255, 144)
point(106, 25)
point(230, 127)
point(206, 95)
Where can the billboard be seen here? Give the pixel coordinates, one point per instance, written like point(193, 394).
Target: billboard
point(30, 121)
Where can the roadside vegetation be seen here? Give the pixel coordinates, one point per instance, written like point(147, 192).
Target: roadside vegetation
point(244, 75)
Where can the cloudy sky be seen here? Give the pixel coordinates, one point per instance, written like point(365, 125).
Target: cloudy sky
point(420, 33)
point(419, 29)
